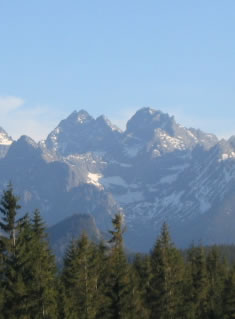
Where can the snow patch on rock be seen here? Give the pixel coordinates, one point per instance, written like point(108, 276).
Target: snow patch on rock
point(94, 179)
point(5, 140)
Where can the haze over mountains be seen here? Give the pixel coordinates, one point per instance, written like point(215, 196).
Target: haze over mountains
point(154, 171)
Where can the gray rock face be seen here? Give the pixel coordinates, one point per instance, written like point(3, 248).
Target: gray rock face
point(80, 133)
point(55, 187)
point(154, 171)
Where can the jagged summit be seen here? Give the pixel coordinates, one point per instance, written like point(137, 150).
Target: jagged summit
point(104, 121)
point(76, 118)
point(5, 139)
point(81, 117)
point(148, 129)
point(146, 120)
point(24, 147)
point(224, 149)
point(81, 133)
point(157, 170)
point(24, 139)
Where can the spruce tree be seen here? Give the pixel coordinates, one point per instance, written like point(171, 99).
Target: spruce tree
point(142, 269)
point(9, 206)
point(228, 296)
point(80, 280)
point(217, 272)
point(196, 293)
point(137, 307)
point(28, 268)
point(2, 297)
point(13, 257)
point(122, 293)
point(165, 293)
point(43, 284)
point(102, 277)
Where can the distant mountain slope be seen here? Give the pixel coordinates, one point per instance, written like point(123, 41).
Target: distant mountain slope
point(71, 228)
point(154, 171)
point(54, 187)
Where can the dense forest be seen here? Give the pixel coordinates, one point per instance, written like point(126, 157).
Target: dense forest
point(99, 281)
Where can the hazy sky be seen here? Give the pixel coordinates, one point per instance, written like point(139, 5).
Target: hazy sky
point(113, 57)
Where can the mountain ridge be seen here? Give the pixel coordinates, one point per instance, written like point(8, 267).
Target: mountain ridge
point(154, 171)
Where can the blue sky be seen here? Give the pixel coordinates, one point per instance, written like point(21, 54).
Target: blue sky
point(114, 57)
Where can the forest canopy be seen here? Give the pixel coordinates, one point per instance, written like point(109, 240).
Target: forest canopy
point(100, 281)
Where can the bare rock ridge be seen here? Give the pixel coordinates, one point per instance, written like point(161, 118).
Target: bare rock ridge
point(156, 170)
point(80, 133)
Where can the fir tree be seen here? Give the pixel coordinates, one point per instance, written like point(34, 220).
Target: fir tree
point(217, 272)
point(28, 276)
point(122, 292)
point(228, 296)
point(2, 297)
point(142, 269)
point(13, 257)
point(166, 278)
point(9, 207)
point(43, 285)
point(80, 280)
point(102, 280)
point(196, 293)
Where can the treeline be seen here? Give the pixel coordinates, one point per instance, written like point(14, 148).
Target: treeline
point(97, 281)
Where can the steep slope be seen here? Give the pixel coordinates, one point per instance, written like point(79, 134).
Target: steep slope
point(61, 234)
point(48, 186)
point(149, 173)
point(155, 171)
point(162, 134)
point(81, 133)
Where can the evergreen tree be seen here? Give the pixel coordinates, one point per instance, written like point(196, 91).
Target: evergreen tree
point(229, 296)
point(142, 268)
point(196, 294)
point(102, 283)
point(97, 282)
point(137, 306)
point(28, 272)
point(43, 284)
point(2, 297)
point(166, 278)
point(217, 272)
point(13, 257)
point(9, 206)
point(122, 293)
point(80, 280)
point(69, 283)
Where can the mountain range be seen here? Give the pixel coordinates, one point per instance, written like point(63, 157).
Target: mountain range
point(155, 170)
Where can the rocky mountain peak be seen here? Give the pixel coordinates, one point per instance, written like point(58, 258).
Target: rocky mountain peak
point(105, 122)
point(5, 139)
point(83, 117)
point(24, 147)
point(155, 171)
point(224, 150)
point(77, 117)
point(147, 120)
point(81, 133)
point(26, 140)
